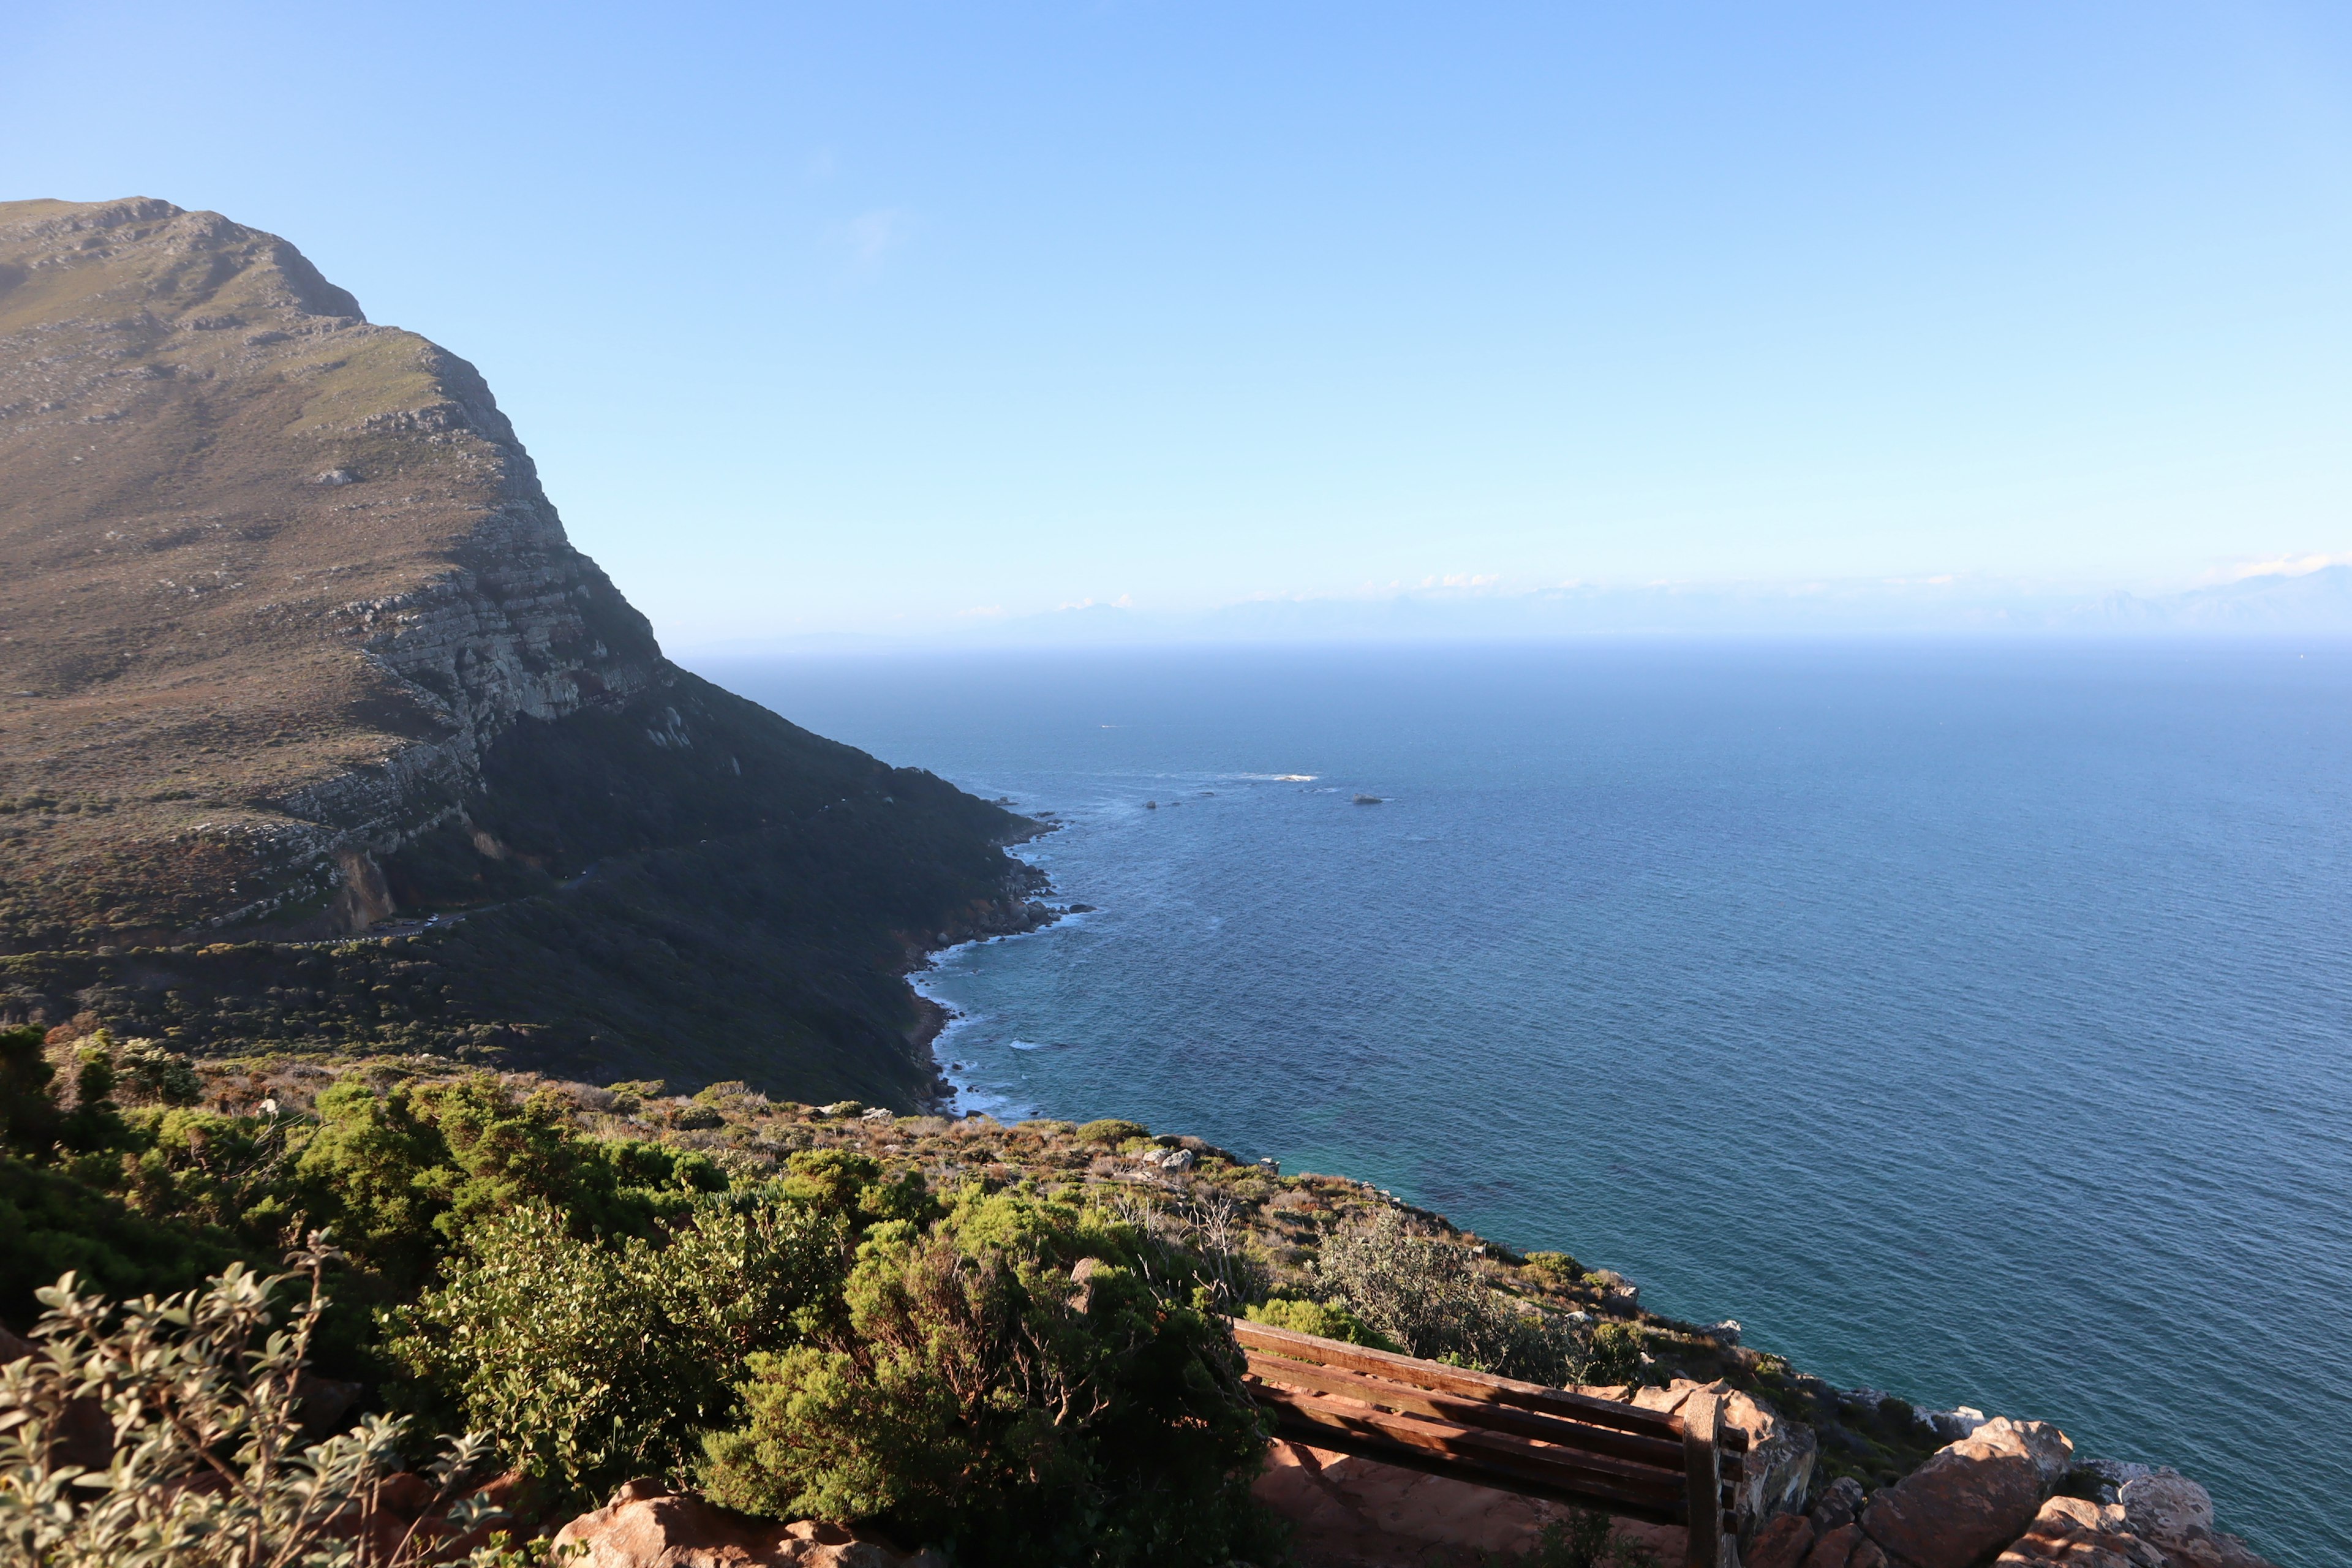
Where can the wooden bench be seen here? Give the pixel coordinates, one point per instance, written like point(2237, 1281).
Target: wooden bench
point(1496, 1432)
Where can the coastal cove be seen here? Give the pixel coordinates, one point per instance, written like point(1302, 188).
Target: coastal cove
point(1968, 1022)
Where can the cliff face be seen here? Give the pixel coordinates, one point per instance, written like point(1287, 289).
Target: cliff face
point(275, 579)
point(292, 640)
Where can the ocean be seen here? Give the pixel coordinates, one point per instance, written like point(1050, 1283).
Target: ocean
point(1968, 1021)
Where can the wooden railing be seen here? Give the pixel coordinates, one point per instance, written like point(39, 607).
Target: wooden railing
point(1496, 1432)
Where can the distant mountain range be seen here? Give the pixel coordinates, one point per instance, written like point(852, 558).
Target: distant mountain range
point(2316, 604)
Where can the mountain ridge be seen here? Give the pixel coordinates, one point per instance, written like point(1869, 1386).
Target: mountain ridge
point(292, 640)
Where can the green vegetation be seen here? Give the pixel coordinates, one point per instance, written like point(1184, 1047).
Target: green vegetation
point(211, 1468)
point(1327, 1319)
point(1021, 1381)
point(1004, 1339)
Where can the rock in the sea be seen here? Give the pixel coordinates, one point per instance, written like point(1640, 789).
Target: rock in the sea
point(1971, 1498)
point(648, 1526)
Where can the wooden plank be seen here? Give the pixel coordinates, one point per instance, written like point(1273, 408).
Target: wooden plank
point(1297, 1430)
point(1492, 1458)
point(1657, 1453)
point(1703, 1515)
point(1438, 1377)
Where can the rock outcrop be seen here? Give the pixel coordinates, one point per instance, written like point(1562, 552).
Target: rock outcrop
point(2173, 1531)
point(1778, 1468)
point(647, 1525)
point(1971, 1498)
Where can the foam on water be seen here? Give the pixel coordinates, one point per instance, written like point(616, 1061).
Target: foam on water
point(1967, 1022)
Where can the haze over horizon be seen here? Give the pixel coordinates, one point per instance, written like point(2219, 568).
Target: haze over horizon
point(890, 322)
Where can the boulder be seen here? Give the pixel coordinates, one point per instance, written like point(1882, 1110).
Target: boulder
point(1845, 1547)
point(2052, 1451)
point(1970, 1498)
point(1778, 1468)
point(1782, 1543)
point(1838, 1505)
point(2080, 1535)
point(2166, 1506)
point(647, 1525)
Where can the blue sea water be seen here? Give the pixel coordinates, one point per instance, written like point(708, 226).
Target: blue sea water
point(1970, 1022)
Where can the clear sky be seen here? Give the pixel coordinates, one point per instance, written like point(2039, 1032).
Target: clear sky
point(887, 317)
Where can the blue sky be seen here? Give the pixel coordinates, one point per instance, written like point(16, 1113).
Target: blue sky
point(898, 319)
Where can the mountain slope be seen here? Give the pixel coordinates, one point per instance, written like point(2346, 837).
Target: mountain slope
point(291, 641)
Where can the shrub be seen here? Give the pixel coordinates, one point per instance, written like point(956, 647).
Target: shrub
point(1557, 1269)
point(51, 1223)
point(589, 1363)
point(1330, 1319)
point(1584, 1540)
point(1612, 1355)
point(1430, 1298)
point(28, 1116)
point(155, 1074)
point(1011, 1384)
point(1112, 1130)
point(209, 1466)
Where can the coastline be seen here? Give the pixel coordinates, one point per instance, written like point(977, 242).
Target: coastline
point(1024, 911)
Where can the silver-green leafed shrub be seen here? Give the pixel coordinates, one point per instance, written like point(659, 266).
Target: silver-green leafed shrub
point(210, 1467)
point(1430, 1298)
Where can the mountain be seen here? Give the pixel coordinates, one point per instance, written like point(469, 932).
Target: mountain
point(292, 642)
point(2306, 602)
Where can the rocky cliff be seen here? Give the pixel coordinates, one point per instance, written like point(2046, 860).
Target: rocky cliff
point(291, 641)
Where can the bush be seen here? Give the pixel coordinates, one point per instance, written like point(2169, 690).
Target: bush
point(1011, 1384)
point(201, 1390)
point(1557, 1269)
point(157, 1075)
point(1614, 1355)
point(51, 1223)
point(28, 1116)
point(1329, 1319)
point(1430, 1298)
point(1584, 1540)
point(590, 1362)
point(1112, 1130)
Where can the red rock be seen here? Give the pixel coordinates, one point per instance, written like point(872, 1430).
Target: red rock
point(647, 1526)
point(2167, 1507)
point(2081, 1535)
point(1782, 1543)
point(1968, 1501)
point(1845, 1547)
point(1777, 1469)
